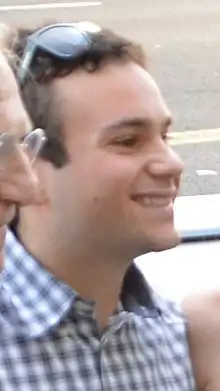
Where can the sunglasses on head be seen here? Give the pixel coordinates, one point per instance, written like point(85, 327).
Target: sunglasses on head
point(64, 41)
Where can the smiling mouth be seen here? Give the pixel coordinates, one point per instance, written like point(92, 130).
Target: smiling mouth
point(150, 201)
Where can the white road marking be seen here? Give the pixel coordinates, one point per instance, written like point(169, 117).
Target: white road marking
point(195, 136)
point(36, 7)
point(207, 172)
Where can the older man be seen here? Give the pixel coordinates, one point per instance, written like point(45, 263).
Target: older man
point(17, 180)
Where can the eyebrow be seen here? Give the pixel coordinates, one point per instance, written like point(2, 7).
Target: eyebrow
point(136, 122)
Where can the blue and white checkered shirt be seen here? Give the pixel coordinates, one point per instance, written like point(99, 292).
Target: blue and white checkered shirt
point(49, 340)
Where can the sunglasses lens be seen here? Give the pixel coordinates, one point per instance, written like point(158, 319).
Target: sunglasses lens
point(33, 143)
point(64, 42)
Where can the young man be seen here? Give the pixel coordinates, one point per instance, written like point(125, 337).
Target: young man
point(79, 314)
point(17, 180)
point(202, 312)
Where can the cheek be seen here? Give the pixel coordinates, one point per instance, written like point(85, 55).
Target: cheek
point(110, 181)
point(98, 181)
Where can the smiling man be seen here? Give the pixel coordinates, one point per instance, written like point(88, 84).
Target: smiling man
point(81, 316)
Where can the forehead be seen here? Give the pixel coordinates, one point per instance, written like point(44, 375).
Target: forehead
point(117, 91)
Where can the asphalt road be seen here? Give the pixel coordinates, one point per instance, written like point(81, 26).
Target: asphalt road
point(182, 40)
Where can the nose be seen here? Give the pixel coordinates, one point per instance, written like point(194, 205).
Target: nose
point(18, 183)
point(166, 163)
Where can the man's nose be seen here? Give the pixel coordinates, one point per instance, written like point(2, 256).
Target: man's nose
point(166, 163)
point(18, 183)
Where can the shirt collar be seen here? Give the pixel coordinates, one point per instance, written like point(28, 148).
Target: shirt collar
point(137, 295)
point(42, 301)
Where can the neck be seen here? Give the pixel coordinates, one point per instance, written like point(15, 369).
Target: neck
point(95, 276)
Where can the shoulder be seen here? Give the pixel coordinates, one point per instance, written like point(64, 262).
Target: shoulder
point(202, 314)
point(170, 310)
point(173, 322)
point(203, 310)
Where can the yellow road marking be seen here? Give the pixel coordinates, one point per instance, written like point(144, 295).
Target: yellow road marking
point(195, 136)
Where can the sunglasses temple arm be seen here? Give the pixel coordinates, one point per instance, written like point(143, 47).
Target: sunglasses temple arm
point(26, 61)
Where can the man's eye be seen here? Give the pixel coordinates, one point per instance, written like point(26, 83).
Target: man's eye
point(127, 141)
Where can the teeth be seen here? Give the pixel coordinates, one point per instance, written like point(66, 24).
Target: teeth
point(158, 201)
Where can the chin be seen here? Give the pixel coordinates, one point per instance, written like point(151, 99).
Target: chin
point(160, 241)
point(165, 242)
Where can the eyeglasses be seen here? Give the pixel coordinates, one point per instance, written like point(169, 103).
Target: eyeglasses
point(31, 145)
point(64, 41)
